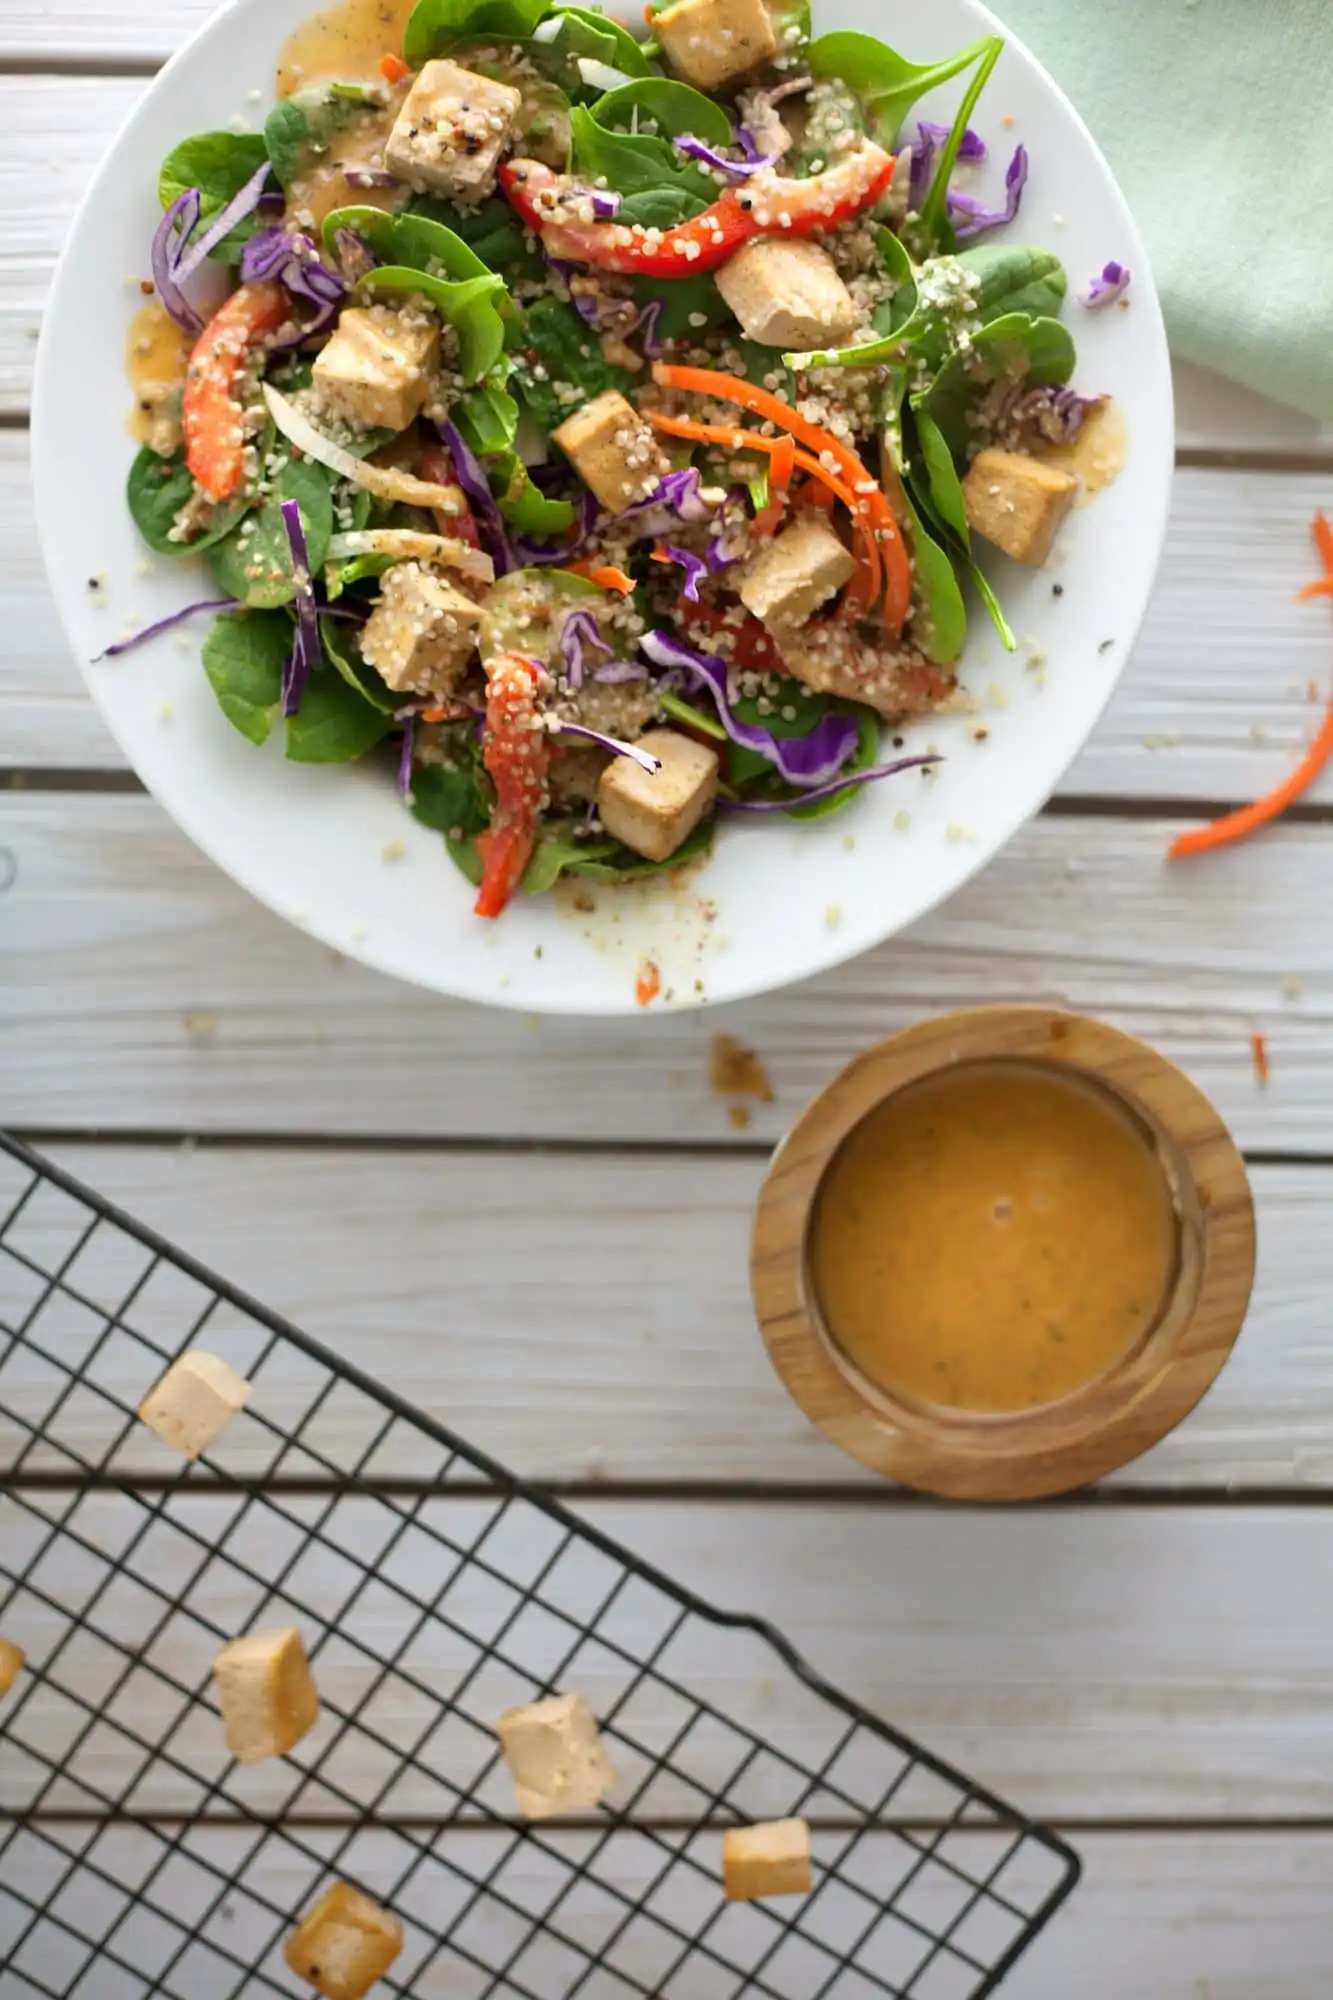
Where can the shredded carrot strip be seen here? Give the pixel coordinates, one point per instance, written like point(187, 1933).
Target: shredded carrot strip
point(1323, 541)
point(1321, 587)
point(767, 521)
point(605, 575)
point(648, 984)
point(735, 439)
point(393, 69)
point(783, 466)
point(871, 507)
point(815, 494)
point(1259, 1052)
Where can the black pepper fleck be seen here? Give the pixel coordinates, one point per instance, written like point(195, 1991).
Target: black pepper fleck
point(1106, 645)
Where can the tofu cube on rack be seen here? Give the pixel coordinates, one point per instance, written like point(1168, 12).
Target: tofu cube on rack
point(451, 131)
point(795, 573)
point(267, 1694)
point(654, 812)
point(375, 371)
point(344, 1945)
point(194, 1402)
point(711, 42)
point(768, 1860)
point(612, 450)
point(555, 1756)
point(787, 292)
point(1018, 503)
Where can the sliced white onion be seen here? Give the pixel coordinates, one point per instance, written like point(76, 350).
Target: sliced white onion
point(385, 481)
point(413, 546)
point(546, 31)
point(601, 76)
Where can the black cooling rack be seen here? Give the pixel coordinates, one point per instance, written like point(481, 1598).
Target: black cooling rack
point(433, 1591)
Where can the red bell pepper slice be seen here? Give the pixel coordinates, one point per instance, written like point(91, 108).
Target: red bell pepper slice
point(212, 419)
point(517, 754)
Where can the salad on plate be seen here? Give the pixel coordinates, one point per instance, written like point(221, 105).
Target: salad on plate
point(597, 429)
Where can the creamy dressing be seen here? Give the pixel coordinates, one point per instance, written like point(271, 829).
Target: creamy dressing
point(347, 41)
point(360, 143)
point(993, 1238)
point(156, 351)
point(1097, 455)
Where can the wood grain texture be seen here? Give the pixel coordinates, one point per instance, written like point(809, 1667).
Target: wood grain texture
point(142, 990)
point(1214, 704)
point(1119, 1663)
point(608, 1335)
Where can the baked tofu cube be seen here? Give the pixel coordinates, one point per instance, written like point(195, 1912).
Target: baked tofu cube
point(451, 131)
point(787, 293)
point(798, 571)
point(655, 811)
point(1018, 503)
point(376, 370)
point(709, 42)
point(267, 1694)
point(555, 1756)
point(194, 1402)
point(12, 1663)
point(768, 1860)
point(344, 1945)
point(612, 450)
point(420, 635)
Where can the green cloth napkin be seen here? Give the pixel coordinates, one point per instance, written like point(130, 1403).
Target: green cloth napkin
point(1215, 115)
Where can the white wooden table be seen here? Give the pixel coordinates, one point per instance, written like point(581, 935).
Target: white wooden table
point(1151, 1664)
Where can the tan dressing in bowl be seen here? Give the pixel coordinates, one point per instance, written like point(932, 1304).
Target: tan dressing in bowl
point(993, 1238)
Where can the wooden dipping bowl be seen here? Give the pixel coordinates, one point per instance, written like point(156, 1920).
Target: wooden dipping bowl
point(1095, 1429)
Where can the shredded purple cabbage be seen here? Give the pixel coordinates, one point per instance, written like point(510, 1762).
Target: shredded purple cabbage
point(355, 256)
point(169, 240)
point(646, 324)
point(405, 756)
point(696, 149)
point(931, 139)
point(242, 205)
point(801, 760)
point(161, 625)
point(1059, 414)
point(619, 673)
point(293, 260)
point(830, 789)
point(471, 476)
point(695, 568)
point(1104, 290)
point(680, 494)
point(611, 743)
point(533, 555)
point(971, 217)
point(306, 653)
point(605, 203)
point(580, 630)
point(369, 177)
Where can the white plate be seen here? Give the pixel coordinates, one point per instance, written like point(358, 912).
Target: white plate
point(778, 901)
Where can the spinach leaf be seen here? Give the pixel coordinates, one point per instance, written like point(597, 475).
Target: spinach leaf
point(637, 164)
point(591, 33)
point(306, 121)
point(254, 563)
point(900, 310)
point(243, 656)
point(889, 84)
point(693, 718)
point(942, 481)
point(420, 242)
point(1015, 278)
point(939, 617)
point(453, 799)
point(493, 232)
point(674, 108)
point(469, 307)
point(791, 24)
point(488, 419)
point(343, 653)
point(435, 24)
point(558, 854)
point(156, 491)
point(933, 224)
point(1018, 346)
point(466, 857)
point(218, 164)
point(336, 725)
point(557, 341)
point(993, 606)
point(683, 299)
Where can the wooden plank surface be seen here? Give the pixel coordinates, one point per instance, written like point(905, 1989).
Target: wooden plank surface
point(606, 1336)
point(1113, 1663)
point(142, 990)
point(1215, 703)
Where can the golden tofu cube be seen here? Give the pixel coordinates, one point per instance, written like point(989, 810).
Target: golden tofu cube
point(709, 42)
point(768, 1860)
point(267, 1694)
point(787, 293)
point(613, 451)
point(799, 570)
point(451, 131)
point(1018, 503)
point(12, 1662)
point(375, 373)
point(194, 1402)
point(555, 1756)
point(344, 1945)
point(654, 812)
point(420, 635)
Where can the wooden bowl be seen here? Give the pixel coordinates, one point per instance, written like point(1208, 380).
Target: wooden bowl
point(1052, 1449)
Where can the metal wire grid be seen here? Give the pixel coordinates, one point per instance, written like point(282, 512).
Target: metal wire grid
point(433, 1591)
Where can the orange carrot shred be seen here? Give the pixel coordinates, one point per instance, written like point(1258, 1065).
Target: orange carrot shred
point(1323, 540)
point(393, 69)
point(783, 466)
point(1259, 1053)
point(605, 575)
point(648, 984)
point(1321, 587)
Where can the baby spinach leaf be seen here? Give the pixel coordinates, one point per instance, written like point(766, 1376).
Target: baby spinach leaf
point(791, 24)
point(555, 340)
point(308, 119)
point(156, 491)
point(934, 226)
point(684, 299)
point(1016, 346)
point(336, 724)
point(488, 419)
point(674, 108)
point(420, 242)
point(889, 84)
point(898, 311)
point(939, 624)
point(1015, 278)
point(624, 865)
point(434, 25)
point(636, 164)
point(466, 857)
point(243, 657)
point(992, 603)
point(469, 307)
point(493, 232)
point(343, 653)
point(452, 798)
point(218, 164)
point(591, 33)
point(254, 563)
point(557, 852)
point(942, 481)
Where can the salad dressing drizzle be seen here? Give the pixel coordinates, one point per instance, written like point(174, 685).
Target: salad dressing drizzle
point(348, 41)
